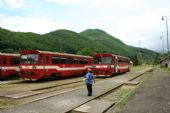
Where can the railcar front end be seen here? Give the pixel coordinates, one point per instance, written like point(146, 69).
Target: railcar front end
point(9, 65)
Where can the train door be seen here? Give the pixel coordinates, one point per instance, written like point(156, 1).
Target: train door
point(46, 63)
point(116, 64)
point(42, 63)
point(0, 60)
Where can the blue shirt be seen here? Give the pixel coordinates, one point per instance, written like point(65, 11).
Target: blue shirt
point(89, 78)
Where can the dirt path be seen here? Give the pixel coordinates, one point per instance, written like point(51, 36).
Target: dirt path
point(152, 97)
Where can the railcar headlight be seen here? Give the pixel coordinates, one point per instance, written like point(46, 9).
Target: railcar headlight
point(20, 67)
point(108, 66)
point(93, 66)
point(33, 67)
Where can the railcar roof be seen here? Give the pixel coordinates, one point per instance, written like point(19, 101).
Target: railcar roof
point(9, 54)
point(105, 54)
point(66, 54)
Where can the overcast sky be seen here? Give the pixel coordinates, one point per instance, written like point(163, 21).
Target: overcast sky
point(128, 20)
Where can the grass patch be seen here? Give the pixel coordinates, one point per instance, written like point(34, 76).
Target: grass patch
point(122, 93)
point(166, 70)
point(137, 68)
point(125, 93)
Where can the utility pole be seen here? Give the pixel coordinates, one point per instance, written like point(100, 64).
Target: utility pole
point(139, 44)
point(166, 31)
point(162, 38)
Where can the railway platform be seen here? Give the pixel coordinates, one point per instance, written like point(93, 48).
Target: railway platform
point(72, 100)
point(10, 82)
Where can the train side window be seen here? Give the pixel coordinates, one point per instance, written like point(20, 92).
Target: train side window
point(4, 60)
point(55, 60)
point(81, 61)
point(63, 60)
point(70, 60)
point(86, 62)
point(14, 61)
point(47, 59)
point(76, 61)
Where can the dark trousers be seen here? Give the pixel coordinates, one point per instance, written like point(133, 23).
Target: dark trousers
point(89, 89)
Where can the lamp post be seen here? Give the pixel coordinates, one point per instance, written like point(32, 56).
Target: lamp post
point(164, 17)
point(162, 38)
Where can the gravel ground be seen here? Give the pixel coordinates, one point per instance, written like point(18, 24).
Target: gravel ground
point(152, 97)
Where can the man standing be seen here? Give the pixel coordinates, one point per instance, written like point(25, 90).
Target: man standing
point(89, 81)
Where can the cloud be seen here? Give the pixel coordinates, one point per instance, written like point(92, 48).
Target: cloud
point(12, 4)
point(1, 3)
point(27, 24)
point(63, 2)
point(132, 20)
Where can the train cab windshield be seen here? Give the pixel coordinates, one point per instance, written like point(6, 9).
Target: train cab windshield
point(29, 59)
point(102, 60)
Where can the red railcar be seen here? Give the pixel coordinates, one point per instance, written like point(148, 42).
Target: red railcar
point(37, 64)
point(106, 65)
point(9, 64)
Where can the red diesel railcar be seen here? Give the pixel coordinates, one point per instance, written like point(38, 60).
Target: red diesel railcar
point(106, 65)
point(9, 64)
point(37, 64)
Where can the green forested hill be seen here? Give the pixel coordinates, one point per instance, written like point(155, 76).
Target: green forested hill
point(108, 42)
point(87, 42)
point(116, 46)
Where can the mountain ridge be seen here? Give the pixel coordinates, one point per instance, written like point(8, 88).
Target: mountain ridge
point(87, 42)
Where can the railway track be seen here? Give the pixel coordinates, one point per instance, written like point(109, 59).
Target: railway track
point(38, 93)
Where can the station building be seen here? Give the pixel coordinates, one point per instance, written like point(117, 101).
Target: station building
point(165, 62)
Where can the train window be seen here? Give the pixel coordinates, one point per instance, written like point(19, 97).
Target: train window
point(106, 60)
point(4, 60)
point(47, 59)
point(29, 59)
point(97, 60)
point(55, 60)
point(14, 61)
point(63, 60)
point(70, 60)
point(86, 62)
point(32, 58)
point(81, 61)
point(76, 61)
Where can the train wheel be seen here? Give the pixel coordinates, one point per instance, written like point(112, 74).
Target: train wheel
point(55, 76)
